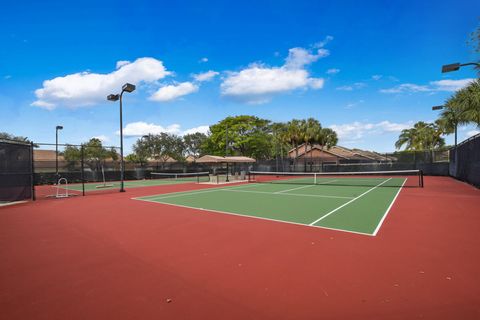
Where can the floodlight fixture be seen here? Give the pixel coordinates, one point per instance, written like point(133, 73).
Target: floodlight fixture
point(128, 87)
point(450, 67)
point(113, 97)
point(455, 66)
point(438, 107)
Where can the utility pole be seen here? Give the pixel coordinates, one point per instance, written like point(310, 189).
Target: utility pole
point(226, 149)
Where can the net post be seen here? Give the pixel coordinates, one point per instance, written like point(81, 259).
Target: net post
point(314, 178)
point(420, 176)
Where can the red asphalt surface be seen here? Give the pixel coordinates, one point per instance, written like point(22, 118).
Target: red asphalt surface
point(107, 256)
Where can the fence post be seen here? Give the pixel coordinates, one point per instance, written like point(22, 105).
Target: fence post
point(82, 174)
point(32, 176)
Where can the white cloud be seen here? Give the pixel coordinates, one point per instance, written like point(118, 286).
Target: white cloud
point(205, 76)
point(122, 63)
point(172, 92)
point(203, 60)
point(44, 105)
point(450, 85)
point(102, 138)
point(333, 71)
point(316, 83)
point(141, 128)
point(300, 57)
point(323, 43)
point(356, 85)
point(434, 86)
point(406, 87)
point(357, 130)
point(200, 129)
point(377, 77)
point(85, 88)
point(471, 133)
point(258, 83)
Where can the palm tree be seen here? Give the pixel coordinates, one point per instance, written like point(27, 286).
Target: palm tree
point(423, 136)
point(294, 136)
point(461, 109)
point(280, 139)
point(408, 137)
point(466, 102)
point(448, 121)
point(309, 128)
point(327, 138)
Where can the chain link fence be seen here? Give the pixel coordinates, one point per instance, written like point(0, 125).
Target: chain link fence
point(465, 161)
point(16, 173)
point(432, 162)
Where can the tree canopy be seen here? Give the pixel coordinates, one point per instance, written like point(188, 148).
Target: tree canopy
point(247, 136)
point(160, 147)
point(94, 153)
point(8, 136)
point(422, 136)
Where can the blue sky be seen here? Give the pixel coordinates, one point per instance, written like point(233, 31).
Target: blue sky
point(367, 70)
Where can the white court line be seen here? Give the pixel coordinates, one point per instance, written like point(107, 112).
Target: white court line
point(289, 194)
point(186, 193)
point(388, 209)
point(347, 203)
point(254, 217)
point(303, 187)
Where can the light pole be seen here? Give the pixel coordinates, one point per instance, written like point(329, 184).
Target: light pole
point(226, 150)
point(56, 149)
point(127, 87)
point(456, 66)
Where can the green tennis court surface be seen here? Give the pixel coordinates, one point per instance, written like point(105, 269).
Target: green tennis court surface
point(355, 205)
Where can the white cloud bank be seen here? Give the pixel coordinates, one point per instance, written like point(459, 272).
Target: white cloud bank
point(434, 86)
point(141, 128)
point(172, 92)
point(85, 88)
point(357, 130)
point(206, 76)
point(258, 83)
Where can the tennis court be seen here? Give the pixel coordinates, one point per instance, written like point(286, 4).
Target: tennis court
point(356, 203)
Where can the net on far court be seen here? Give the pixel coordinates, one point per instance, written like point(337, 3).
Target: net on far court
point(195, 177)
point(398, 178)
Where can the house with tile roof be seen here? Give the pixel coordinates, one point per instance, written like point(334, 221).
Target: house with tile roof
point(335, 155)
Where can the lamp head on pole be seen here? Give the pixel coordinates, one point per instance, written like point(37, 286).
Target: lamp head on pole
point(128, 87)
point(59, 127)
point(113, 97)
point(438, 107)
point(451, 67)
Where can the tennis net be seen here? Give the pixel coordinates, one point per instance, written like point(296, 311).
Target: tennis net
point(181, 177)
point(398, 178)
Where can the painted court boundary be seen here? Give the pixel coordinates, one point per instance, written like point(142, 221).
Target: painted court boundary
point(185, 193)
